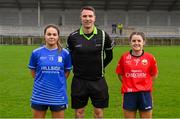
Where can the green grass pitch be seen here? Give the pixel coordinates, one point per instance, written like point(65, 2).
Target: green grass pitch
point(16, 83)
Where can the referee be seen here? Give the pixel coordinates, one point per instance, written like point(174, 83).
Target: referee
point(91, 50)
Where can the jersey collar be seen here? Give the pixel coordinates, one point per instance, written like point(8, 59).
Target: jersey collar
point(88, 38)
point(137, 56)
point(50, 49)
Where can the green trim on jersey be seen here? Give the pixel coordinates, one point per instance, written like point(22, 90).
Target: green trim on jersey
point(88, 38)
point(102, 52)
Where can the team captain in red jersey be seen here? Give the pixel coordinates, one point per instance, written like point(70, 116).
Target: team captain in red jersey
point(137, 70)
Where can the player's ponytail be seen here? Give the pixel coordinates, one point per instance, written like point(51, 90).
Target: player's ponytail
point(59, 44)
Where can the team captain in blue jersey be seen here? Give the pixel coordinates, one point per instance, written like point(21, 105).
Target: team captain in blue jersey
point(50, 67)
point(91, 50)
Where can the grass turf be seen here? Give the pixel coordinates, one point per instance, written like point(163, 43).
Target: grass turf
point(16, 83)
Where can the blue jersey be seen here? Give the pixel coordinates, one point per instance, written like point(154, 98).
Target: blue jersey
point(50, 81)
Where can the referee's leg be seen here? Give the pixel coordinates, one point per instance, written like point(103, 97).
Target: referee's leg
point(79, 97)
point(98, 112)
point(99, 96)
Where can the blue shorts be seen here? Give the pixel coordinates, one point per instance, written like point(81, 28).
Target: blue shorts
point(54, 108)
point(137, 101)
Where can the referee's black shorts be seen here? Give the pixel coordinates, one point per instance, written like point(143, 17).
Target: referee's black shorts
point(81, 90)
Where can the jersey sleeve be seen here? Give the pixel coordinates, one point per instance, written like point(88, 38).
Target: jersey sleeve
point(154, 67)
point(119, 68)
point(67, 62)
point(68, 43)
point(109, 44)
point(33, 61)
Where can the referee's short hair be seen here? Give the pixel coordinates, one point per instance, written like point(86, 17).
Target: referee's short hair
point(88, 8)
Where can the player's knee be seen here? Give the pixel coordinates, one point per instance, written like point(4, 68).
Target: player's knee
point(79, 113)
point(98, 113)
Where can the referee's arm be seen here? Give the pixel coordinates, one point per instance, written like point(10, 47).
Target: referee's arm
point(108, 57)
point(109, 44)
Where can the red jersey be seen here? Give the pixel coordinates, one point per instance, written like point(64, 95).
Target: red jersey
point(137, 72)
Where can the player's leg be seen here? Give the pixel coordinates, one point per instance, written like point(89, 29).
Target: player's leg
point(145, 109)
point(58, 114)
point(39, 114)
point(145, 114)
point(130, 105)
point(129, 114)
point(120, 31)
point(39, 111)
point(57, 111)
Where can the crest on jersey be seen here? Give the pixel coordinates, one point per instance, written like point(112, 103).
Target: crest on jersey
point(59, 59)
point(144, 62)
point(51, 58)
point(128, 57)
point(137, 61)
